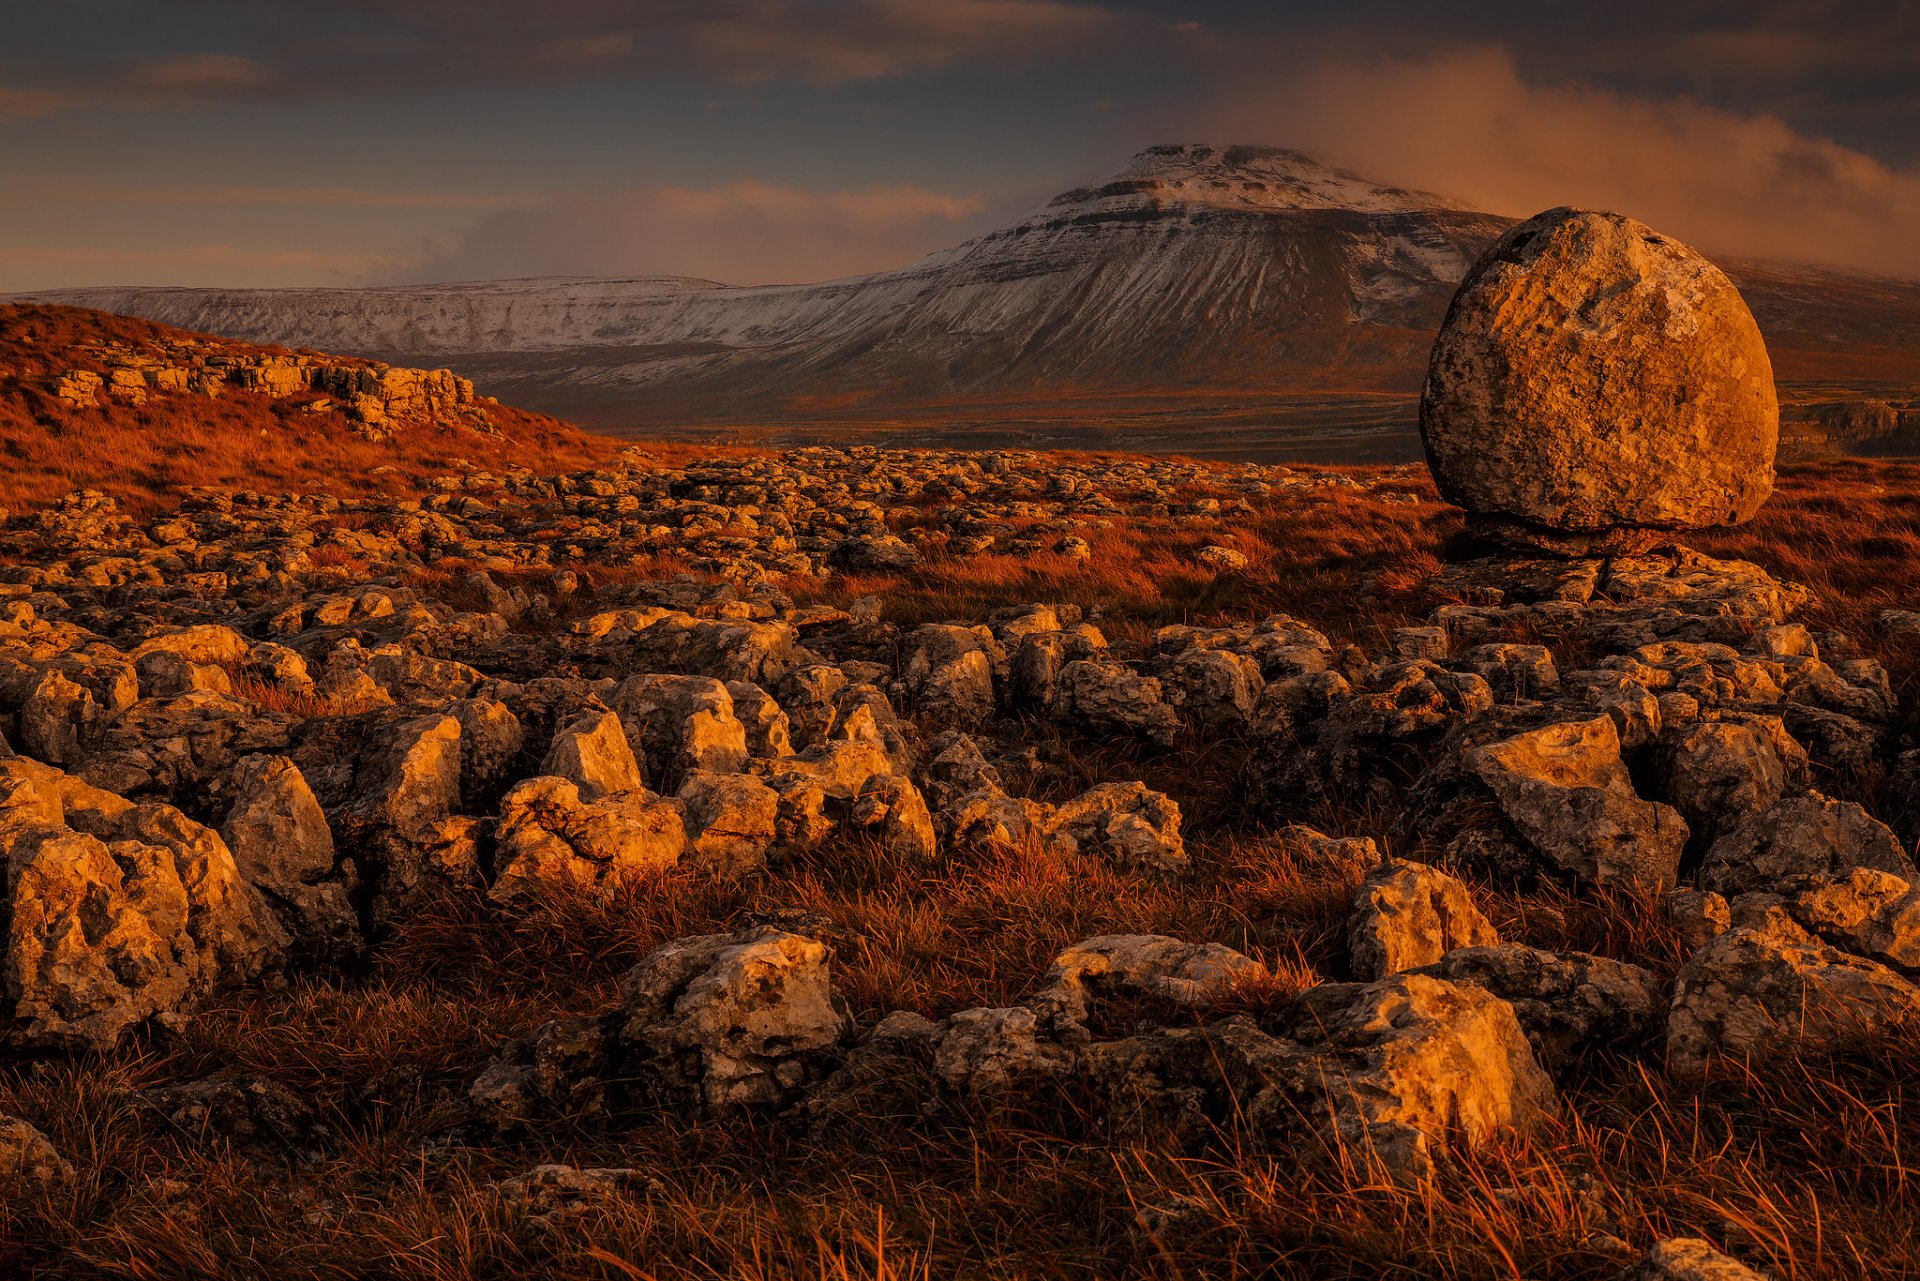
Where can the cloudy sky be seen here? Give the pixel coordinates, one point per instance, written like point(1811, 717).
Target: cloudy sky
point(262, 142)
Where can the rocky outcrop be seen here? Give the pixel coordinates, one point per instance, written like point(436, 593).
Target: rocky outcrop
point(1689, 1259)
point(1570, 801)
point(27, 1158)
point(1756, 993)
point(283, 846)
point(378, 399)
point(116, 912)
point(550, 839)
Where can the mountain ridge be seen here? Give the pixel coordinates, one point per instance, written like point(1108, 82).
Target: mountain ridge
point(1245, 276)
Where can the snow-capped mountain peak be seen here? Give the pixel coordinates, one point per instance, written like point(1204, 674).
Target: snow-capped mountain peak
point(1243, 177)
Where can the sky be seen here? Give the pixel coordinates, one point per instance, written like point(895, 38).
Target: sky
point(290, 142)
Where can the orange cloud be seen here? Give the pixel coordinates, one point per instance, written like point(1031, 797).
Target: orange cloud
point(1468, 124)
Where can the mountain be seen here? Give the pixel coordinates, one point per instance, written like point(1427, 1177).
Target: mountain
point(1202, 297)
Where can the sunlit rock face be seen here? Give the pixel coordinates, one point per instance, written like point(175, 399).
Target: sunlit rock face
point(1598, 387)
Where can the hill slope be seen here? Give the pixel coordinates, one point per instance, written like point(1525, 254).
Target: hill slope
point(1199, 287)
point(142, 410)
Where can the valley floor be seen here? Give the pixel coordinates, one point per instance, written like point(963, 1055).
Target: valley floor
point(785, 864)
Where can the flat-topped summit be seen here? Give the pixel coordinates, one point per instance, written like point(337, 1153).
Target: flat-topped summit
point(1243, 177)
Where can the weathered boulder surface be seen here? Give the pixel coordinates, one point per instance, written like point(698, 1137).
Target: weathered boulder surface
point(1406, 915)
point(1598, 386)
point(1689, 1259)
point(28, 1157)
point(1189, 976)
point(1566, 1001)
point(592, 752)
point(1395, 1066)
point(115, 912)
point(283, 846)
point(1755, 993)
point(551, 838)
point(730, 1020)
point(1568, 795)
point(1805, 835)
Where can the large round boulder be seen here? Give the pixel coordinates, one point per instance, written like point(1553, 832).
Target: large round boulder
point(1598, 387)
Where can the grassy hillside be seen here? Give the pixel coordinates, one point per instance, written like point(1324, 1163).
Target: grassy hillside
point(140, 453)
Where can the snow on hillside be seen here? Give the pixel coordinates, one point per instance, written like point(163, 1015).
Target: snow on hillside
point(1153, 231)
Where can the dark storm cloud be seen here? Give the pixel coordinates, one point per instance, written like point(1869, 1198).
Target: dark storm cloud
point(345, 46)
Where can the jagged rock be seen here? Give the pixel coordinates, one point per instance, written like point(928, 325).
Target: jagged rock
point(682, 723)
point(1189, 976)
point(726, 649)
point(1754, 994)
point(809, 695)
point(1722, 772)
point(1867, 912)
point(1689, 1259)
point(847, 782)
point(1129, 823)
point(549, 838)
point(28, 1158)
point(1315, 737)
point(1392, 1068)
point(769, 732)
point(207, 643)
point(1213, 688)
point(281, 843)
point(115, 912)
point(562, 1069)
point(731, 820)
point(730, 1020)
point(1033, 673)
point(413, 778)
point(1805, 835)
point(1700, 916)
point(894, 808)
point(241, 1111)
point(970, 807)
point(1515, 673)
point(876, 553)
point(168, 674)
point(1597, 386)
point(1407, 915)
point(1567, 793)
point(1315, 848)
point(1566, 1001)
point(1222, 560)
point(546, 1191)
point(58, 719)
point(491, 740)
point(592, 752)
point(176, 747)
point(1109, 696)
point(950, 671)
point(985, 1052)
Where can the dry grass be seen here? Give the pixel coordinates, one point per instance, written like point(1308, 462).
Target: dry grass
point(145, 455)
point(1801, 1170)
